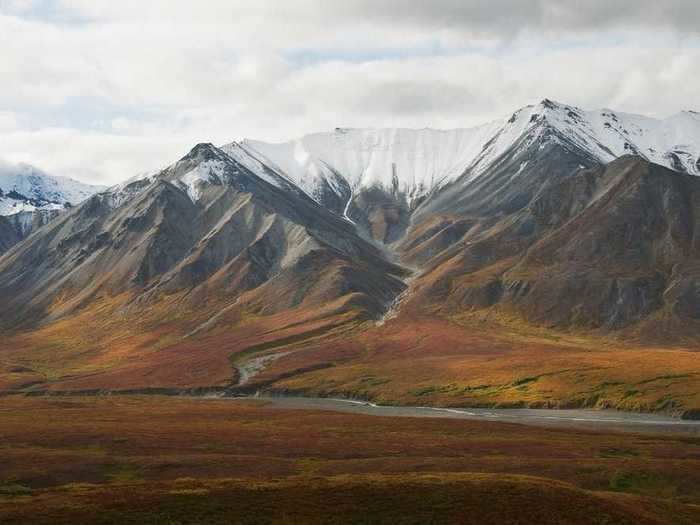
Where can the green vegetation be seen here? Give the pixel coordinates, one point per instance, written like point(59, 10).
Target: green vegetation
point(642, 482)
point(14, 489)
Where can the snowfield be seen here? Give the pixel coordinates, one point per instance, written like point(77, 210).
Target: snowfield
point(412, 162)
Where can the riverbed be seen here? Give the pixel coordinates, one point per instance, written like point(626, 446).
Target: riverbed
point(584, 419)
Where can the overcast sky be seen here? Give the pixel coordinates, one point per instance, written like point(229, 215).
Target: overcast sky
point(100, 90)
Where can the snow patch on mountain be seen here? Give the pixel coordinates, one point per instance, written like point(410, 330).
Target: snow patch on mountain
point(204, 165)
point(25, 222)
point(259, 165)
point(208, 172)
point(11, 206)
point(406, 161)
point(123, 192)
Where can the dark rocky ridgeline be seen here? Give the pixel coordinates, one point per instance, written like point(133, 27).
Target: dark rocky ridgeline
point(626, 253)
point(469, 230)
point(333, 197)
point(549, 233)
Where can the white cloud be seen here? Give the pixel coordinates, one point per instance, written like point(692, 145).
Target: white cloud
point(16, 6)
point(8, 121)
point(120, 124)
point(101, 90)
point(92, 157)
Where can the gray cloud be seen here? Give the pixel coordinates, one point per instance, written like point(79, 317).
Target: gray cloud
point(498, 17)
point(502, 17)
point(101, 90)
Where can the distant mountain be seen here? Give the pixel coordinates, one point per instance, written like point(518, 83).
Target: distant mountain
point(26, 188)
point(31, 198)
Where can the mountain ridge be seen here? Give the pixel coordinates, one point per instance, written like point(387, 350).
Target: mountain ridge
point(178, 231)
point(178, 277)
point(366, 155)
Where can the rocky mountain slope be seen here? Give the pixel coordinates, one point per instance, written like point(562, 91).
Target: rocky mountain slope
point(605, 248)
point(18, 226)
point(463, 197)
point(575, 221)
point(8, 234)
point(205, 223)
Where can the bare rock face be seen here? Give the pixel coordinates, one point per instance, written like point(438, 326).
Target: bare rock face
point(636, 238)
point(379, 215)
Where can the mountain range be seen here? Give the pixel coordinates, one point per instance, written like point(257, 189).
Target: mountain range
point(555, 218)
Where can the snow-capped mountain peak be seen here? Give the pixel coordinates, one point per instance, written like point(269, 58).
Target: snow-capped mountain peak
point(607, 134)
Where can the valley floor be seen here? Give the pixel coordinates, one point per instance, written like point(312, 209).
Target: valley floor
point(150, 459)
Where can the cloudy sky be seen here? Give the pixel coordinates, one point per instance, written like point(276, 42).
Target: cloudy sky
point(101, 90)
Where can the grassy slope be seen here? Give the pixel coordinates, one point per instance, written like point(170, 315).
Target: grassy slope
point(108, 347)
point(476, 359)
point(413, 499)
point(156, 460)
